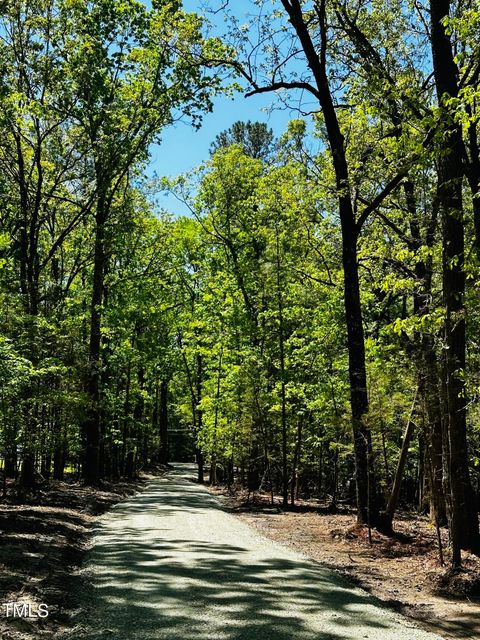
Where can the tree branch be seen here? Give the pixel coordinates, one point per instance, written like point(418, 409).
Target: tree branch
point(376, 202)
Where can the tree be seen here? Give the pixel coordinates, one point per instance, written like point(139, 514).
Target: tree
point(464, 527)
point(255, 138)
point(309, 36)
point(121, 110)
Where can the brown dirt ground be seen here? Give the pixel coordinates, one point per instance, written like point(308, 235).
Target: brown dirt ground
point(403, 571)
point(43, 541)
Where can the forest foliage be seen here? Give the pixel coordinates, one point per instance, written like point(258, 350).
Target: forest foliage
point(311, 327)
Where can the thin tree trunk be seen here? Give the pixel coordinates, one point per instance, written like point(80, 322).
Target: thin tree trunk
point(397, 482)
point(281, 344)
point(126, 422)
point(296, 456)
point(213, 465)
point(434, 433)
point(163, 422)
point(198, 452)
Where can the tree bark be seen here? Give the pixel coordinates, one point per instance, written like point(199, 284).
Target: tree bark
point(296, 457)
point(281, 347)
point(163, 422)
point(463, 515)
point(367, 501)
point(434, 432)
point(397, 483)
point(199, 422)
point(90, 427)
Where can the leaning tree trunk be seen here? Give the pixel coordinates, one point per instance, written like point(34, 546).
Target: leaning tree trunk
point(402, 461)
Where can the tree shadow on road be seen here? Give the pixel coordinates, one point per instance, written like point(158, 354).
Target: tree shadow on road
point(151, 588)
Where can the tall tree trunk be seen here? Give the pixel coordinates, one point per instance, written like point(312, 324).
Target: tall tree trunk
point(367, 505)
point(126, 422)
point(27, 477)
point(163, 422)
point(199, 422)
point(213, 464)
point(10, 464)
point(434, 432)
point(135, 441)
point(60, 451)
point(29, 265)
point(473, 175)
point(296, 457)
point(463, 514)
point(367, 500)
point(426, 356)
point(281, 346)
point(90, 427)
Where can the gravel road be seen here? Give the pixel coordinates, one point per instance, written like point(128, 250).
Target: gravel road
point(170, 564)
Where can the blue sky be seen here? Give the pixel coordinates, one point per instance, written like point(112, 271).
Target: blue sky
point(183, 147)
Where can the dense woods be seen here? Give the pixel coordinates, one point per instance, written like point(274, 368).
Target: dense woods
point(311, 327)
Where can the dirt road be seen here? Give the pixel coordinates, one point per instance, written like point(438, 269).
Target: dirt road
point(170, 564)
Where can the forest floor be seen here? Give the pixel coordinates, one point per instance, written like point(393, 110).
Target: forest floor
point(44, 537)
point(404, 572)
